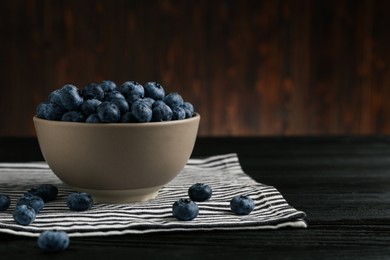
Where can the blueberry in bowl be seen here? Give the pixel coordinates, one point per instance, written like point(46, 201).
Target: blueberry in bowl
point(120, 153)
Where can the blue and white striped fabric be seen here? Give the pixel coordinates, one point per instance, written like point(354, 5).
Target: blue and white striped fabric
point(223, 173)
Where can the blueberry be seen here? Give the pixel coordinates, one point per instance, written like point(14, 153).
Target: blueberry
point(242, 205)
point(55, 97)
point(31, 200)
point(154, 90)
point(127, 118)
point(108, 86)
point(149, 101)
point(161, 113)
point(113, 95)
point(185, 209)
point(132, 88)
point(132, 99)
point(94, 118)
point(79, 201)
point(73, 116)
point(141, 111)
point(53, 241)
point(89, 106)
point(47, 192)
point(173, 100)
point(5, 202)
point(50, 111)
point(24, 214)
point(200, 192)
point(158, 103)
point(70, 97)
point(108, 112)
point(178, 113)
point(121, 104)
point(188, 108)
point(93, 91)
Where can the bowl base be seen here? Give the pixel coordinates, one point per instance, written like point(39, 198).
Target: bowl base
point(121, 196)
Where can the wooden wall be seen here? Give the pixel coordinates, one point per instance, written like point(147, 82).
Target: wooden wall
point(252, 67)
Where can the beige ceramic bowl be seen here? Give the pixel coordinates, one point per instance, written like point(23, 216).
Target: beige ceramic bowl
point(117, 163)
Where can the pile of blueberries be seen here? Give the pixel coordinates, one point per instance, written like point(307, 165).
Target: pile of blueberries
point(105, 102)
point(32, 202)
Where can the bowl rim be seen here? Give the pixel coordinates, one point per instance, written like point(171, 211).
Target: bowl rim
point(196, 116)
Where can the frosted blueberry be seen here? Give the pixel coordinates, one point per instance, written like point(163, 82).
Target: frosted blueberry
point(5, 202)
point(132, 88)
point(141, 112)
point(108, 86)
point(24, 215)
point(50, 111)
point(47, 192)
point(73, 116)
point(178, 113)
point(79, 201)
point(89, 106)
point(32, 201)
point(53, 241)
point(161, 113)
point(108, 112)
point(70, 97)
point(173, 99)
point(94, 118)
point(242, 205)
point(200, 192)
point(93, 91)
point(154, 90)
point(185, 209)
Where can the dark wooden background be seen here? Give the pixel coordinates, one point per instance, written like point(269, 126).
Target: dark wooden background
point(273, 67)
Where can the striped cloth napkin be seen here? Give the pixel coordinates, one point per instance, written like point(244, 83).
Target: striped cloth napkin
point(222, 173)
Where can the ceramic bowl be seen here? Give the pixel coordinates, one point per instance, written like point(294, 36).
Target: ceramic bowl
point(117, 163)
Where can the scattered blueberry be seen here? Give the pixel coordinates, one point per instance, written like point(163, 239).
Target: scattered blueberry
point(242, 205)
point(73, 116)
point(93, 91)
point(161, 112)
point(24, 214)
point(141, 111)
point(5, 202)
point(31, 200)
point(47, 192)
point(53, 241)
point(185, 209)
point(173, 100)
point(79, 201)
point(154, 90)
point(108, 112)
point(89, 106)
point(178, 113)
point(200, 192)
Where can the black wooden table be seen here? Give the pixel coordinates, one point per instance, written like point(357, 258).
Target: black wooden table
point(342, 183)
